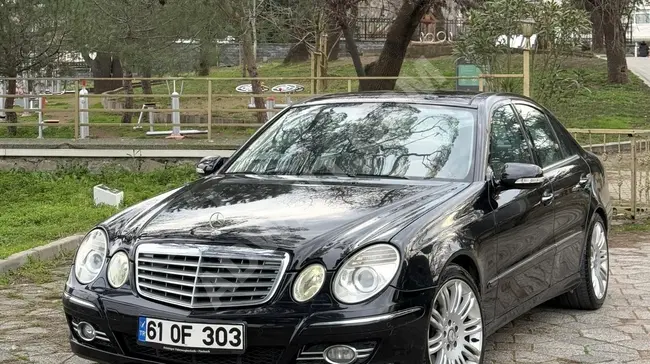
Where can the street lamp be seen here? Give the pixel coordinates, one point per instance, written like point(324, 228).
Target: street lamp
point(527, 29)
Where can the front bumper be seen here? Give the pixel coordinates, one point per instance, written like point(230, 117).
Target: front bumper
point(383, 335)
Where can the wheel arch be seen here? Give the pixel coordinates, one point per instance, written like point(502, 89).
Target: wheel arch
point(467, 261)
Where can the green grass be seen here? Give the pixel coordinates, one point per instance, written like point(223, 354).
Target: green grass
point(639, 226)
point(38, 207)
point(35, 271)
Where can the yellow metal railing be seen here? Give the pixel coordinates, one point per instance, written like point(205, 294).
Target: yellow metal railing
point(201, 100)
point(625, 153)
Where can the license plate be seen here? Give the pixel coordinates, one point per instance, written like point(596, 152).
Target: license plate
point(191, 338)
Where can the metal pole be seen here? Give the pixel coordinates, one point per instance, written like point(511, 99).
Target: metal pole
point(176, 115)
point(76, 109)
point(270, 105)
point(151, 118)
point(210, 110)
point(84, 131)
point(2, 99)
point(633, 179)
point(527, 68)
point(40, 117)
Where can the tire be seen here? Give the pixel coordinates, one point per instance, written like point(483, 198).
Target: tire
point(456, 327)
point(586, 296)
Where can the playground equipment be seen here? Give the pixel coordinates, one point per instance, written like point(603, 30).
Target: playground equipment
point(176, 132)
point(288, 90)
point(148, 108)
point(248, 89)
point(42, 101)
point(270, 104)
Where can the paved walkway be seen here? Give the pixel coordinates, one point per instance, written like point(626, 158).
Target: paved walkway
point(32, 328)
point(640, 67)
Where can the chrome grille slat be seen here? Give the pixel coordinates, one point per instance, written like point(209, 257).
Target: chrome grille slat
point(169, 262)
point(165, 289)
point(168, 271)
point(166, 280)
point(235, 275)
point(234, 294)
point(201, 276)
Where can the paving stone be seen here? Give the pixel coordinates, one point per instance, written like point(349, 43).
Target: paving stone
point(531, 357)
point(605, 334)
point(617, 333)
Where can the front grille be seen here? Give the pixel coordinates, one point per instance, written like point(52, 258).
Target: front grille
point(253, 355)
point(200, 276)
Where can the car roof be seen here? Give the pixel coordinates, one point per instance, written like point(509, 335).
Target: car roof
point(449, 98)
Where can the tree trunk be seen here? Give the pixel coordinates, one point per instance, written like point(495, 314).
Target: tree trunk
point(128, 102)
point(615, 44)
point(333, 38)
point(597, 35)
point(105, 66)
point(146, 84)
point(298, 53)
point(251, 68)
point(352, 48)
point(205, 57)
point(12, 117)
point(397, 41)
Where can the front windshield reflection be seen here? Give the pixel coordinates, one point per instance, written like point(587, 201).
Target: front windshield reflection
point(365, 139)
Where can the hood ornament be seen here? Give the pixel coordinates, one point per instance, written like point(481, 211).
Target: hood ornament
point(217, 220)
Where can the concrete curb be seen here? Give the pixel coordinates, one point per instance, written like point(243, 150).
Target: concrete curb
point(49, 251)
point(113, 153)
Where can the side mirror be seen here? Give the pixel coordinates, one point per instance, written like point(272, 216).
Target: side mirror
point(209, 165)
point(522, 176)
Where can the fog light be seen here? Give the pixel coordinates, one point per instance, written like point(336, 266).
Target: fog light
point(86, 331)
point(340, 354)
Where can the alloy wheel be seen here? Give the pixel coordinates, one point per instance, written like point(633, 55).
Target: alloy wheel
point(599, 261)
point(456, 327)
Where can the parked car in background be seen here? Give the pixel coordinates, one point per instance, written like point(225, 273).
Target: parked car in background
point(357, 228)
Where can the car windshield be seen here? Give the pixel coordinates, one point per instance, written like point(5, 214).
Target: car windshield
point(376, 139)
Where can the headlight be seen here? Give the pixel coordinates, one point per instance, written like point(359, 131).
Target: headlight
point(366, 273)
point(91, 256)
point(309, 283)
point(118, 270)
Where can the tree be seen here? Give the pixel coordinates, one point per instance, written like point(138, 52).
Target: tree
point(611, 13)
point(129, 38)
point(558, 26)
point(302, 22)
point(245, 12)
point(397, 41)
point(31, 35)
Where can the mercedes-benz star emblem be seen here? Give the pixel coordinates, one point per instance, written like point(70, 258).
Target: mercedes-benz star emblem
point(217, 220)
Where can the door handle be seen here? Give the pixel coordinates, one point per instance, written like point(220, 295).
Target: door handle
point(547, 197)
point(584, 180)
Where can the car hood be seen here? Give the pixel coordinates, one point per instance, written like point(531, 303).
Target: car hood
point(302, 216)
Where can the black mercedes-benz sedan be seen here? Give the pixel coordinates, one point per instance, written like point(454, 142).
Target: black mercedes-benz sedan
point(350, 229)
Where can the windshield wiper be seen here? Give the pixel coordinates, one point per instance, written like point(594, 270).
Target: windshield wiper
point(327, 173)
point(378, 176)
point(353, 175)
